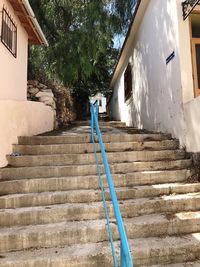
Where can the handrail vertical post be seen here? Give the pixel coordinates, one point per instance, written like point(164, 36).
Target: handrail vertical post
point(92, 125)
point(97, 111)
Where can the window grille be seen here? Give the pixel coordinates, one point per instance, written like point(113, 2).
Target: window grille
point(9, 33)
point(128, 82)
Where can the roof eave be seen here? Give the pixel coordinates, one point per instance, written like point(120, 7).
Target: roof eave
point(125, 51)
point(35, 22)
point(32, 27)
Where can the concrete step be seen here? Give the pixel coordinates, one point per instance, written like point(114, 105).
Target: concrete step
point(77, 170)
point(95, 231)
point(146, 252)
point(86, 138)
point(88, 148)
point(89, 158)
point(91, 182)
point(87, 196)
point(165, 250)
point(94, 210)
point(182, 264)
point(101, 123)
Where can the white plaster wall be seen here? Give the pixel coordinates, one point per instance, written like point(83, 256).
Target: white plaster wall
point(103, 107)
point(157, 95)
point(163, 96)
point(116, 104)
point(119, 109)
point(19, 118)
point(157, 86)
point(13, 71)
point(98, 97)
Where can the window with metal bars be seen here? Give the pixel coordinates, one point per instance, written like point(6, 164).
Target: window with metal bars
point(128, 82)
point(9, 33)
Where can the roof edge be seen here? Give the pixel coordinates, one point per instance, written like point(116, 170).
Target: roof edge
point(139, 11)
point(34, 21)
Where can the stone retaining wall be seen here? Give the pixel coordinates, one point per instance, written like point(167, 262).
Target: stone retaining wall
point(56, 96)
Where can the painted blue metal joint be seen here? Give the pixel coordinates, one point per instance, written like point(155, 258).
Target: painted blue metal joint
point(125, 254)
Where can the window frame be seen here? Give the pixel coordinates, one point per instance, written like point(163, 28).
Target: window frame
point(9, 32)
point(128, 82)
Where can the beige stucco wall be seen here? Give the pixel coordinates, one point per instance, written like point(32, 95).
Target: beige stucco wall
point(192, 118)
point(184, 48)
point(17, 115)
point(191, 105)
point(13, 71)
point(19, 118)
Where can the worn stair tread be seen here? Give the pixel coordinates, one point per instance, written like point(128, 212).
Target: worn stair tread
point(89, 158)
point(87, 148)
point(69, 256)
point(101, 123)
point(157, 218)
point(148, 251)
point(109, 153)
point(96, 230)
point(92, 195)
point(167, 249)
point(74, 170)
point(94, 210)
point(86, 138)
point(38, 185)
point(182, 264)
point(94, 164)
point(179, 197)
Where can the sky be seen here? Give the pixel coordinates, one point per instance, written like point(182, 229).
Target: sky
point(118, 41)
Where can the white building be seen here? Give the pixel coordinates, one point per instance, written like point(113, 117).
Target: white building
point(18, 28)
point(156, 82)
point(101, 102)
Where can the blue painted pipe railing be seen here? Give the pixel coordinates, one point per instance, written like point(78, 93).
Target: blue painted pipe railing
point(125, 254)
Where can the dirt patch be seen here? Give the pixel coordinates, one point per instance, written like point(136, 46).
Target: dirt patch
point(2, 257)
point(170, 216)
point(193, 179)
point(128, 149)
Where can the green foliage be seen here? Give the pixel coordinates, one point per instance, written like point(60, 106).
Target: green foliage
point(81, 52)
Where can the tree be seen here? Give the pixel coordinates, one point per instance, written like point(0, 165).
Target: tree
point(81, 50)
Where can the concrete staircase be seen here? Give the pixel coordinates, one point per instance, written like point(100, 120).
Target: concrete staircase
point(51, 212)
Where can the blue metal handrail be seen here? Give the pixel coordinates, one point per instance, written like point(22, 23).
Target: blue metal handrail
point(125, 254)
